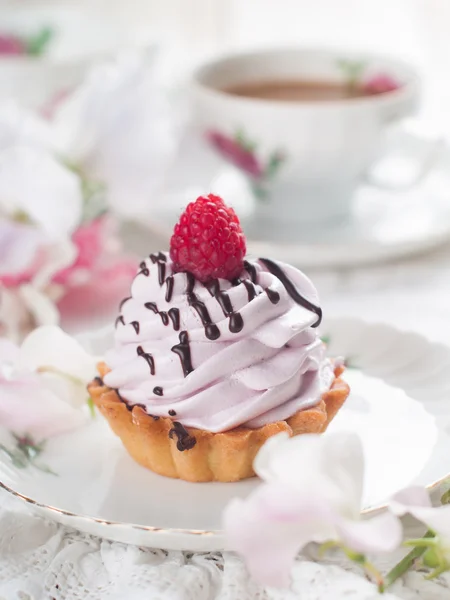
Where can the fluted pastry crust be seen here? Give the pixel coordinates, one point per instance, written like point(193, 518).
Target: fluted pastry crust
point(167, 448)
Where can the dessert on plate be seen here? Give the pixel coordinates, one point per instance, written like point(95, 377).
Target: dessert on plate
point(214, 353)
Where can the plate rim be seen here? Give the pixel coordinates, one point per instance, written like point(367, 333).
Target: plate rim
point(169, 531)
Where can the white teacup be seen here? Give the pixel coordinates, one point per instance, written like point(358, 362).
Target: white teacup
point(303, 158)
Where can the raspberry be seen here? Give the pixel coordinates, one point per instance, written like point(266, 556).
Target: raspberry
point(208, 240)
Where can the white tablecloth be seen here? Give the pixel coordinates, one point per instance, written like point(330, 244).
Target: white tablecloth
point(41, 561)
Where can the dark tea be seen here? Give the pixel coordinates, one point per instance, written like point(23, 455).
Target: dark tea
point(296, 90)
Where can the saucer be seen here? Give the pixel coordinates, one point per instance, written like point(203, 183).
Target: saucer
point(398, 404)
point(407, 212)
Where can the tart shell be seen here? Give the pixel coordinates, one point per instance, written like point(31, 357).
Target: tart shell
point(166, 447)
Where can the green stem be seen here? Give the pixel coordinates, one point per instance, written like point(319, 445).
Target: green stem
point(406, 563)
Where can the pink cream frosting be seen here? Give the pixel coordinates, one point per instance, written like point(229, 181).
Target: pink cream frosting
point(271, 368)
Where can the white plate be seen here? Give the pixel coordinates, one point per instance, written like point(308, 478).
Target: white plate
point(384, 224)
point(400, 383)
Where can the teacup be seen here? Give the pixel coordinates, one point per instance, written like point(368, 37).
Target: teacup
point(306, 151)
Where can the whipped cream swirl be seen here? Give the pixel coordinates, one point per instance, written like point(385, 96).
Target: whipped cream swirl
point(218, 355)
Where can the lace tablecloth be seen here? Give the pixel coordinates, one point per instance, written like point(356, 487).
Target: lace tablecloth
point(40, 560)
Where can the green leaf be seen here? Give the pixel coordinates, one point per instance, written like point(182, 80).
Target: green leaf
point(37, 44)
point(446, 498)
point(91, 407)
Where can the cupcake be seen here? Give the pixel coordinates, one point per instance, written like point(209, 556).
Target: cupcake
point(214, 353)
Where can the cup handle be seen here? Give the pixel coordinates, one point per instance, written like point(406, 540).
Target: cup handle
point(435, 148)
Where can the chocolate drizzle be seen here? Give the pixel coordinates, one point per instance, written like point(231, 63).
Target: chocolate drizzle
point(148, 357)
point(185, 441)
point(120, 319)
point(160, 257)
point(236, 322)
point(158, 391)
point(212, 332)
point(123, 302)
point(169, 288)
point(161, 272)
point(98, 380)
point(136, 326)
point(273, 295)
point(162, 313)
point(144, 269)
point(152, 306)
point(251, 291)
point(174, 315)
point(251, 270)
point(172, 413)
point(184, 352)
point(276, 270)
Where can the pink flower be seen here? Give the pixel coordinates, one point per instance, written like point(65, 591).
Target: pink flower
point(234, 152)
point(380, 84)
point(311, 492)
point(100, 275)
point(43, 383)
point(11, 45)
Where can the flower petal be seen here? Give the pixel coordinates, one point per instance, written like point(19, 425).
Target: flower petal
point(416, 502)
point(271, 526)
point(19, 246)
point(49, 346)
point(310, 460)
point(34, 183)
point(8, 352)
point(20, 127)
point(42, 310)
point(382, 533)
point(27, 407)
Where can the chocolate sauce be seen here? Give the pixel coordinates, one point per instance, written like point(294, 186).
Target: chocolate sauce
point(161, 272)
point(123, 302)
point(158, 257)
point(172, 413)
point(152, 306)
point(98, 380)
point(236, 322)
point(136, 326)
point(190, 283)
point(169, 288)
point(120, 319)
point(148, 357)
point(212, 332)
point(184, 352)
point(158, 391)
point(251, 270)
point(251, 291)
point(212, 286)
point(276, 270)
point(273, 295)
point(174, 314)
point(154, 417)
point(144, 269)
point(185, 441)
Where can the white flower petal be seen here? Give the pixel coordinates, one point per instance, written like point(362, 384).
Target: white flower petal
point(33, 182)
point(21, 127)
point(42, 310)
point(26, 407)
point(8, 352)
point(382, 533)
point(416, 502)
point(52, 348)
point(271, 526)
point(310, 460)
point(19, 245)
point(118, 129)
